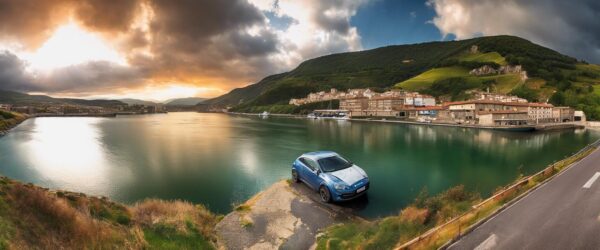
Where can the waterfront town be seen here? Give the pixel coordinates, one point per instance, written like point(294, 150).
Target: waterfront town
point(483, 108)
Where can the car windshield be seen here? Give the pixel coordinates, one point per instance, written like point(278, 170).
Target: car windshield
point(333, 163)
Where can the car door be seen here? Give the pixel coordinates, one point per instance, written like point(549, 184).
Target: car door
point(310, 172)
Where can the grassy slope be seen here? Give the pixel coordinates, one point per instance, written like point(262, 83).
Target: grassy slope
point(31, 217)
point(425, 81)
point(501, 83)
point(427, 78)
point(483, 57)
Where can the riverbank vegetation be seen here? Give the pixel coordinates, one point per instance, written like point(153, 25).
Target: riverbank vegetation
point(31, 216)
point(424, 213)
point(10, 119)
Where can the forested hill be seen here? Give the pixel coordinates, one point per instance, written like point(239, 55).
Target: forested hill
point(553, 77)
point(16, 98)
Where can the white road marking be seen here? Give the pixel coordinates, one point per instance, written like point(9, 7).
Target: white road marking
point(489, 243)
point(591, 181)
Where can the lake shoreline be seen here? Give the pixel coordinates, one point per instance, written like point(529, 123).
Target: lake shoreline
point(12, 123)
point(527, 128)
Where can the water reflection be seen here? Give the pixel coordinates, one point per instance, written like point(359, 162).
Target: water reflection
point(218, 159)
point(69, 153)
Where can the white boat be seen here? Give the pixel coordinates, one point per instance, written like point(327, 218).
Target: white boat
point(264, 114)
point(312, 116)
point(345, 117)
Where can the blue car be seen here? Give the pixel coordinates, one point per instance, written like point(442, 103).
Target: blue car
point(336, 178)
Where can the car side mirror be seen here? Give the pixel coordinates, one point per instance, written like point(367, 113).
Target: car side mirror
point(318, 171)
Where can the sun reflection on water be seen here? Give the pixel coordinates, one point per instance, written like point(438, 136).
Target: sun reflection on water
point(68, 151)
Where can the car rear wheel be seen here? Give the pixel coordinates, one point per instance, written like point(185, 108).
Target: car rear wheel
point(295, 176)
point(325, 195)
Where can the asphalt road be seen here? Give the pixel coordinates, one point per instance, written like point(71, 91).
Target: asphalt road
point(562, 214)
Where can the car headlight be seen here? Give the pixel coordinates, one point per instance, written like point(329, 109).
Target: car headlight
point(340, 187)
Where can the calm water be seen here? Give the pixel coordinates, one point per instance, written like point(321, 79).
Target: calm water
point(218, 159)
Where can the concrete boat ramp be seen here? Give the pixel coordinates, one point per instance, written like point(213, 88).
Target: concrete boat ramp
point(284, 216)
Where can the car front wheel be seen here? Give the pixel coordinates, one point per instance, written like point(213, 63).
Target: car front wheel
point(295, 176)
point(325, 195)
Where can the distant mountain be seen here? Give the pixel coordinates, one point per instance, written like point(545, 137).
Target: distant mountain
point(189, 101)
point(131, 101)
point(438, 68)
point(16, 98)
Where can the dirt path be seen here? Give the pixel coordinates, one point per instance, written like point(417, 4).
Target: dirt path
point(284, 216)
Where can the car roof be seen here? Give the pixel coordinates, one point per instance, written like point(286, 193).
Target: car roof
point(319, 155)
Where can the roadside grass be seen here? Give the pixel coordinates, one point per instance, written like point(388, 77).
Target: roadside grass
point(483, 210)
point(424, 213)
point(435, 220)
point(482, 57)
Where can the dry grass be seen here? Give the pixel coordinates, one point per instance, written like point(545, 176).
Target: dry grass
point(176, 214)
point(39, 218)
point(485, 209)
point(32, 217)
point(414, 215)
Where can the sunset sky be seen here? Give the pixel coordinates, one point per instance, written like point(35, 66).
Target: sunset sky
point(161, 49)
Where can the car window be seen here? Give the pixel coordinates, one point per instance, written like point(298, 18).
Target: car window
point(309, 163)
point(334, 163)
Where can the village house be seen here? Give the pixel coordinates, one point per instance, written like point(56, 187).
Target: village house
point(423, 113)
point(356, 106)
point(333, 94)
point(503, 118)
point(469, 111)
point(563, 114)
point(540, 112)
point(579, 116)
point(497, 97)
point(417, 99)
point(383, 106)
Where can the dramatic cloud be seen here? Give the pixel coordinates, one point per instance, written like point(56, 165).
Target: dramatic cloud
point(570, 27)
point(12, 72)
point(90, 77)
point(210, 44)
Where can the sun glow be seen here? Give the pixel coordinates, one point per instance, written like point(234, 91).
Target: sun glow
point(71, 45)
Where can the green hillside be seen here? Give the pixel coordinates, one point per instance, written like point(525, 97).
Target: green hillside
point(427, 78)
point(452, 82)
point(438, 68)
point(494, 57)
point(16, 98)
